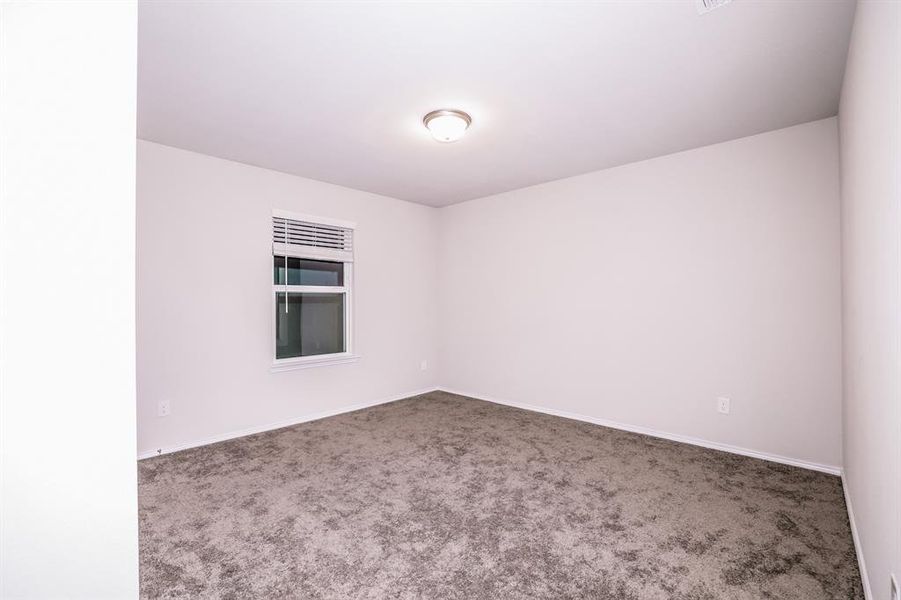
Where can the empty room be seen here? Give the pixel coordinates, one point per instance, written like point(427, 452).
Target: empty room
point(450, 300)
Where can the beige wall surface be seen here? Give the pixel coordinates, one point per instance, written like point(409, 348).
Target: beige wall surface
point(68, 482)
point(205, 308)
point(641, 294)
point(870, 133)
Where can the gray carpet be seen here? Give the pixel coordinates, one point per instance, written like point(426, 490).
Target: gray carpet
point(440, 496)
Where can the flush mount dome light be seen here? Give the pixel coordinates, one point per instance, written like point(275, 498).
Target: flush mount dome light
point(447, 125)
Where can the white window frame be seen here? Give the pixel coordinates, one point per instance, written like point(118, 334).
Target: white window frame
point(317, 360)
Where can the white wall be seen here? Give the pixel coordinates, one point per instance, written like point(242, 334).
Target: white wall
point(68, 521)
point(870, 129)
point(205, 300)
point(640, 294)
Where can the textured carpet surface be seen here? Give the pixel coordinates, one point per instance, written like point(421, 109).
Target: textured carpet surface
point(440, 496)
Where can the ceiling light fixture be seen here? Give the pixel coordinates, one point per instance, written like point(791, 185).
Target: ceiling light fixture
point(447, 125)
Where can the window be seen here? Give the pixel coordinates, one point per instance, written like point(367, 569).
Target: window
point(312, 286)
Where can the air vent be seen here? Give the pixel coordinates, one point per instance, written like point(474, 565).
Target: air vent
point(705, 6)
point(292, 237)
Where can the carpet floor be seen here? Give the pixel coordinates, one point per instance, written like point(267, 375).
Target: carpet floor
point(440, 496)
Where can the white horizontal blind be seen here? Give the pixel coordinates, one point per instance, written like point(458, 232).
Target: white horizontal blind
point(309, 239)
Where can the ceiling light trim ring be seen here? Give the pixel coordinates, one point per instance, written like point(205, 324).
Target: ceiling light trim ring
point(447, 112)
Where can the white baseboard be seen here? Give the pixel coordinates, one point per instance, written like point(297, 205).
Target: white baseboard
point(831, 469)
point(278, 425)
point(864, 579)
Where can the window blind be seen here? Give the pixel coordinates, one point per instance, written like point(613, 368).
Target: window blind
point(307, 239)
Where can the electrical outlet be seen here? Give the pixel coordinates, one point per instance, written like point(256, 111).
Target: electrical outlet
point(723, 405)
point(423, 365)
point(705, 6)
point(895, 591)
point(163, 409)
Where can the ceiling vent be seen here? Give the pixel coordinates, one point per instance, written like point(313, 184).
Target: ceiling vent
point(705, 6)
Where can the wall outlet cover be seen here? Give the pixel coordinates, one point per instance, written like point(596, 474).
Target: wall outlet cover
point(163, 409)
point(423, 365)
point(723, 405)
point(705, 6)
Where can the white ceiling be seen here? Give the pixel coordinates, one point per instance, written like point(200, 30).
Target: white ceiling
point(336, 91)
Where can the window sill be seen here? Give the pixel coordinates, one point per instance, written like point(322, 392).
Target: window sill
point(313, 361)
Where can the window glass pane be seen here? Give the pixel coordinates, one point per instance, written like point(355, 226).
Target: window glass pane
point(302, 271)
point(313, 324)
